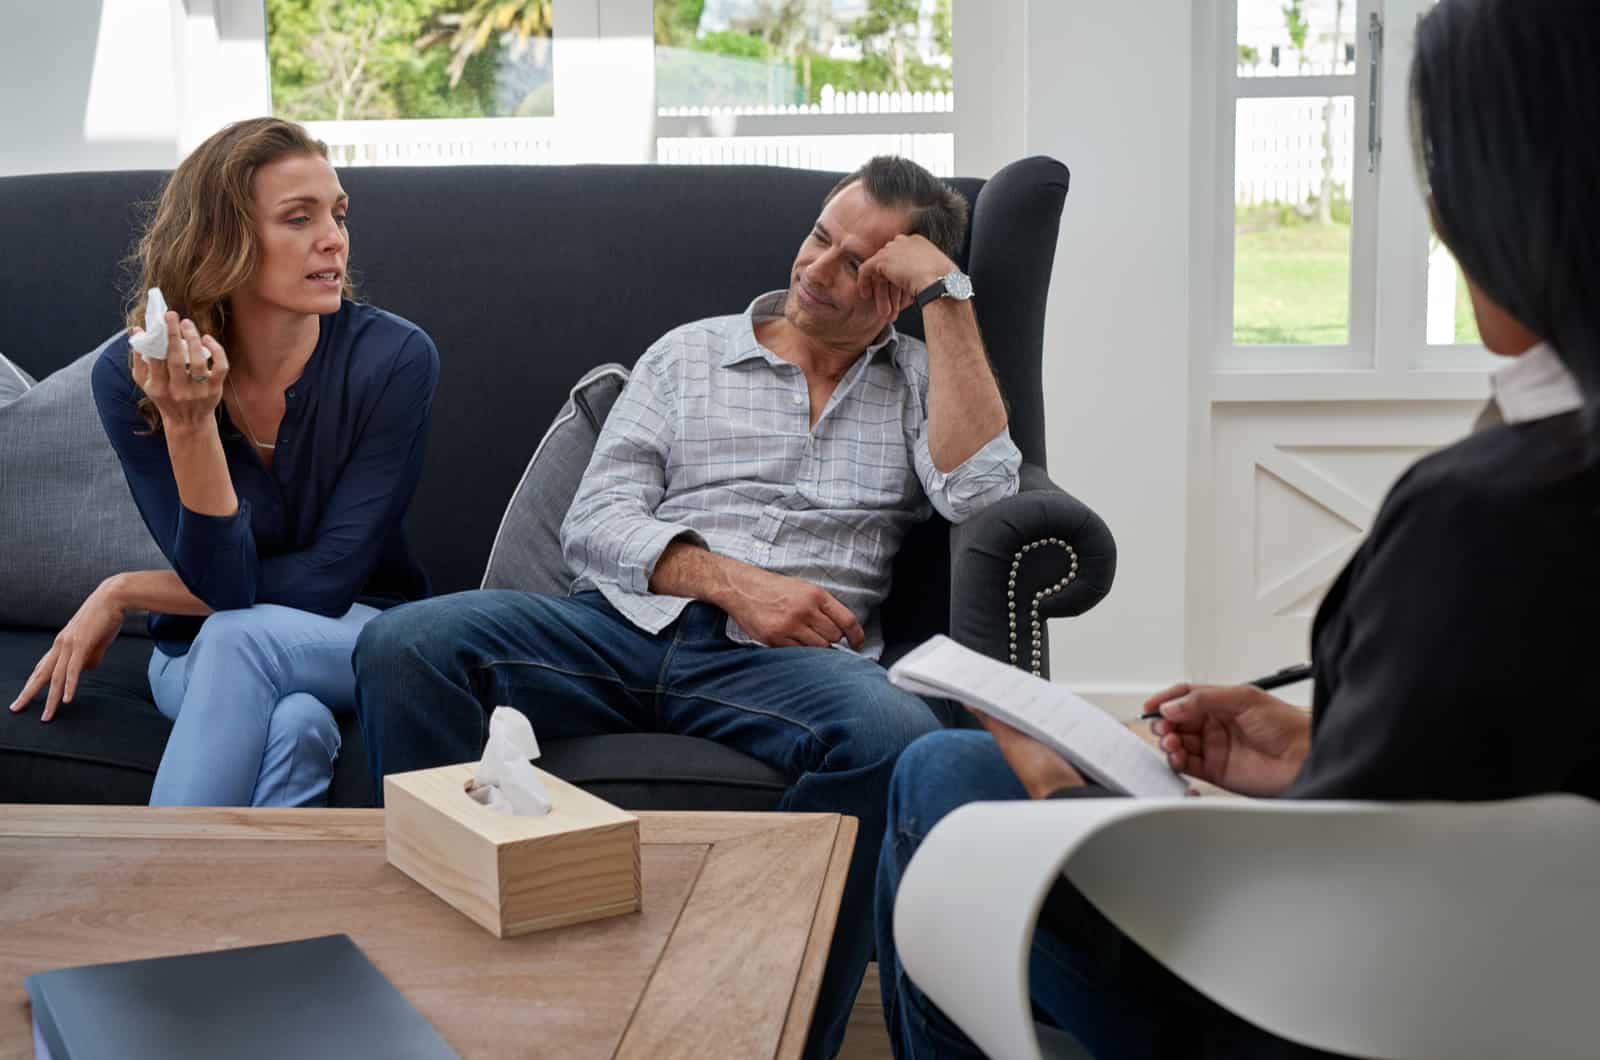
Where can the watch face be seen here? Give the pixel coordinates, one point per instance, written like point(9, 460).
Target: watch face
point(958, 284)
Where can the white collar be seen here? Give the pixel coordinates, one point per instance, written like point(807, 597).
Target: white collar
point(1534, 385)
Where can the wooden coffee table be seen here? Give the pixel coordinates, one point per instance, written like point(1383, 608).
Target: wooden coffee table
point(724, 960)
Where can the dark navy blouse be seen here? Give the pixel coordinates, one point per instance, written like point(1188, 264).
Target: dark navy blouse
point(322, 526)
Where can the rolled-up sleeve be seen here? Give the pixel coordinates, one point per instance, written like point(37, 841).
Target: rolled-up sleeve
point(611, 534)
point(214, 555)
point(991, 474)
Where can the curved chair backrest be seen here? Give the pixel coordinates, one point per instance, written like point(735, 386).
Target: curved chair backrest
point(1460, 930)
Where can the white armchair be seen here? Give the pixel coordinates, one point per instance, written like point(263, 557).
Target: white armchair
point(1419, 930)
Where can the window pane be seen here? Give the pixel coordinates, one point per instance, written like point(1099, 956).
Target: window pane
point(1292, 213)
point(1286, 38)
point(817, 56)
point(1451, 320)
point(338, 60)
point(1450, 316)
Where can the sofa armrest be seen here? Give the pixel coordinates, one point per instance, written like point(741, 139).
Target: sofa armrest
point(1038, 555)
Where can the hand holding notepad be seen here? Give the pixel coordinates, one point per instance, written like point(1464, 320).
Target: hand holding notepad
point(1097, 745)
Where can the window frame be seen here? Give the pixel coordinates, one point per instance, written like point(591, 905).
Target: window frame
point(603, 54)
point(1388, 356)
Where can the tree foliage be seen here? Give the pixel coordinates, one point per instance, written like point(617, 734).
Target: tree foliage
point(677, 22)
point(474, 31)
point(354, 59)
point(349, 59)
point(1294, 21)
point(778, 30)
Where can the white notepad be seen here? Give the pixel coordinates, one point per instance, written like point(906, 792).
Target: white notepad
point(1097, 745)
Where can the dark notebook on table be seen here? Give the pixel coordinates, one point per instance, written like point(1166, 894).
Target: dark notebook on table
point(309, 998)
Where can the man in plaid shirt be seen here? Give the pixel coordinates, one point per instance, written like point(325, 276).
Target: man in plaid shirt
point(733, 538)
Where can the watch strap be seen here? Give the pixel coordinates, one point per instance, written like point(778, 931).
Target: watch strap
point(932, 292)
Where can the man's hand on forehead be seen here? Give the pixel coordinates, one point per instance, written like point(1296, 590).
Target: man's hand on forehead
point(899, 270)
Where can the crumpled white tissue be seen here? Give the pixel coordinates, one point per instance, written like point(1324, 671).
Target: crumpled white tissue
point(151, 344)
point(504, 779)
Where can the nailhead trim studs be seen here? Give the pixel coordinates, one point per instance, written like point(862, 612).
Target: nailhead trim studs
point(1037, 630)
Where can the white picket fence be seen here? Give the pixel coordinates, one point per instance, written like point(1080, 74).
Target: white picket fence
point(834, 102)
point(933, 151)
point(536, 141)
point(438, 142)
point(1289, 67)
point(1278, 149)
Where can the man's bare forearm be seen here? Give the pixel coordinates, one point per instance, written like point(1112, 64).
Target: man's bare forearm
point(686, 569)
point(161, 591)
point(965, 409)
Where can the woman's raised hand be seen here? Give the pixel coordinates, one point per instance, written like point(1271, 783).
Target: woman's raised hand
point(187, 386)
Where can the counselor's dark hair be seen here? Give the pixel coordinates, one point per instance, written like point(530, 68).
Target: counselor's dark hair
point(1505, 116)
point(938, 211)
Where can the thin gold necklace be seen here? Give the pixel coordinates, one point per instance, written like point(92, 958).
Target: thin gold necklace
point(244, 422)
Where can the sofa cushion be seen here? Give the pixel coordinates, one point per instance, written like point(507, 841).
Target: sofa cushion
point(527, 549)
point(61, 483)
point(656, 771)
point(105, 745)
point(14, 382)
point(101, 748)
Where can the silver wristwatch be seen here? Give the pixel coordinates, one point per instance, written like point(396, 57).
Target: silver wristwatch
point(953, 284)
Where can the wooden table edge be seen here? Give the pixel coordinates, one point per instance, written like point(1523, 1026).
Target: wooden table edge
point(803, 1003)
point(21, 820)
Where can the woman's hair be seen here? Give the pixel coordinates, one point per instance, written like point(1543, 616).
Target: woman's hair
point(1504, 100)
point(200, 244)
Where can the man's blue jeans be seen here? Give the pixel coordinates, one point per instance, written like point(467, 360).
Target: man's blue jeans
point(1084, 975)
point(429, 673)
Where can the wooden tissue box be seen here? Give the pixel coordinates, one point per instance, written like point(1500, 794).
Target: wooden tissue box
point(512, 874)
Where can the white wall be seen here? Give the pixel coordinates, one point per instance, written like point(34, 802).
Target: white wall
point(124, 84)
point(87, 84)
point(1117, 332)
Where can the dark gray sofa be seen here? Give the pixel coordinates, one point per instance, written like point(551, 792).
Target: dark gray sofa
point(526, 277)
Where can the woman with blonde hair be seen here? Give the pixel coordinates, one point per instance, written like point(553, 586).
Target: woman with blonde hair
point(273, 452)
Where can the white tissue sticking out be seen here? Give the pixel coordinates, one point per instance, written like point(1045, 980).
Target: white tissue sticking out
point(504, 779)
point(151, 344)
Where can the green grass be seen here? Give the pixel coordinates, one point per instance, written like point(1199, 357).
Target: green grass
point(1292, 286)
point(1466, 320)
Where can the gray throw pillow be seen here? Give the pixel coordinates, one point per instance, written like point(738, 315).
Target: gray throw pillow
point(67, 520)
point(527, 549)
point(14, 382)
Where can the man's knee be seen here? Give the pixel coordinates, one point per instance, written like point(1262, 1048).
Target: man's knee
point(388, 638)
point(887, 721)
point(396, 642)
point(441, 631)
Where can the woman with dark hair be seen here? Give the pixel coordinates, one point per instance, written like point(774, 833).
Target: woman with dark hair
point(273, 451)
point(1454, 656)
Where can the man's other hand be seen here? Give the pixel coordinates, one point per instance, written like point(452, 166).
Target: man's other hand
point(784, 612)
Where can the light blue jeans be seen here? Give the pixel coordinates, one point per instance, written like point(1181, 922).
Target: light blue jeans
point(253, 705)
